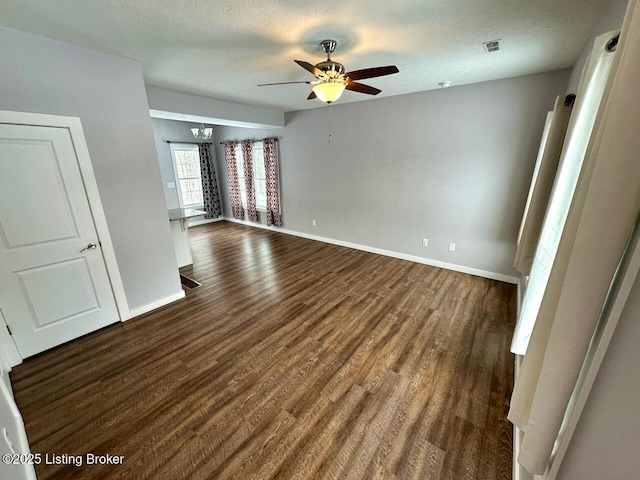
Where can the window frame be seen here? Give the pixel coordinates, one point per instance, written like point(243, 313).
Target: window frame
point(191, 147)
point(240, 167)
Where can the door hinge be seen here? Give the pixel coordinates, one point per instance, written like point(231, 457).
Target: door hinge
point(10, 332)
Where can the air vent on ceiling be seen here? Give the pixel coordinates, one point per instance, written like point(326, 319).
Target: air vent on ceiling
point(491, 46)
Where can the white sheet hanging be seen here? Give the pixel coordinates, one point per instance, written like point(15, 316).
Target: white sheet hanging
point(605, 205)
point(577, 137)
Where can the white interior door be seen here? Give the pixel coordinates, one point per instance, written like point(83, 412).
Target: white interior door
point(54, 284)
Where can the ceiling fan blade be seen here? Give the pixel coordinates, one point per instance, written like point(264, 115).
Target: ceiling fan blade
point(307, 66)
point(371, 72)
point(311, 96)
point(280, 83)
point(362, 88)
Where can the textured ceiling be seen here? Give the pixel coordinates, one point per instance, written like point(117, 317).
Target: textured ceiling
point(223, 49)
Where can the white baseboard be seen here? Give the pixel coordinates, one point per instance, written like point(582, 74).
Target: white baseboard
point(157, 304)
point(388, 253)
point(195, 221)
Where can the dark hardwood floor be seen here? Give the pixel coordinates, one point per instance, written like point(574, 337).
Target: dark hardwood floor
point(295, 359)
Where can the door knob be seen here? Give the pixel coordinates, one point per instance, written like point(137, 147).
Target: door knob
point(91, 246)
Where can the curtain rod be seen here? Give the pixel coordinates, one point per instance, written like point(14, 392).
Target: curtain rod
point(189, 143)
point(250, 139)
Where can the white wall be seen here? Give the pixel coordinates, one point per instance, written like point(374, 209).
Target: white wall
point(172, 105)
point(606, 442)
point(449, 165)
point(108, 94)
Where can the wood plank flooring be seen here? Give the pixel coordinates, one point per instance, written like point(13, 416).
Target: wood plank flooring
point(294, 360)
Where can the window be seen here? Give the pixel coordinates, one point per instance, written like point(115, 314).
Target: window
point(259, 176)
point(186, 163)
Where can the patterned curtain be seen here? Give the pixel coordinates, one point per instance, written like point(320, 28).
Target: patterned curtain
point(210, 193)
point(271, 171)
point(234, 185)
point(247, 155)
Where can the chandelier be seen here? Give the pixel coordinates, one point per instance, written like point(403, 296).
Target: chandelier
point(202, 133)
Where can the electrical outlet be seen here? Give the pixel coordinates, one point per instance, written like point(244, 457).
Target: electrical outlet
point(313, 223)
point(425, 242)
point(452, 247)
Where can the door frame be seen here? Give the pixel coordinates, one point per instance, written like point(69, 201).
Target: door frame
point(74, 126)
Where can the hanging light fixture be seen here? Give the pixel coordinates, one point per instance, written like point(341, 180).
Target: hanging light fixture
point(329, 91)
point(202, 133)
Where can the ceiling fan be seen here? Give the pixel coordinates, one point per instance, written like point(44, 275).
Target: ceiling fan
point(331, 79)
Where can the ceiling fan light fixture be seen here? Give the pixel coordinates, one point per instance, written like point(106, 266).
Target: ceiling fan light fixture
point(329, 92)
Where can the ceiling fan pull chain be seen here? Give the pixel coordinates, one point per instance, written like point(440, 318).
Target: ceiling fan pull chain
point(329, 123)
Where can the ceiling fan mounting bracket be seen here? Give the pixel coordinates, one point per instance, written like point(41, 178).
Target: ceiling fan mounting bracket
point(328, 46)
